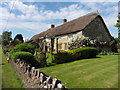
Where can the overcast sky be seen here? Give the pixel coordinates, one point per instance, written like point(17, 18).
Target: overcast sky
point(30, 18)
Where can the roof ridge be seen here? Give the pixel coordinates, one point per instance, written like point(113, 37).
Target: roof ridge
point(94, 12)
point(86, 19)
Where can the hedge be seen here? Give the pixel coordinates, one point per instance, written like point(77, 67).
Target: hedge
point(86, 52)
point(24, 47)
point(25, 56)
point(76, 54)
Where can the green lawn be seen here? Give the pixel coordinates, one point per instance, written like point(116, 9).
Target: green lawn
point(87, 73)
point(9, 77)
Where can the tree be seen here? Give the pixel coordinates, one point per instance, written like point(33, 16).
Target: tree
point(19, 37)
point(17, 40)
point(6, 38)
point(118, 25)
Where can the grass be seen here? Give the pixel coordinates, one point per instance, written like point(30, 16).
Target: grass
point(87, 73)
point(9, 77)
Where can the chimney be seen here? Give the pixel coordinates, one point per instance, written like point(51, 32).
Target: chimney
point(52, 26)
point(64, 21)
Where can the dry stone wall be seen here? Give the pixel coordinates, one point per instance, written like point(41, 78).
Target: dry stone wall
point(34, 78)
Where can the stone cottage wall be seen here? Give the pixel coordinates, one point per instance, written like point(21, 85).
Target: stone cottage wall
point(34, 78)
point(96, 30)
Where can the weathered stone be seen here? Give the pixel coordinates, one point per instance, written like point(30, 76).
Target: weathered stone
point(17, 61)
point(34, 78)
point(59, 85)
point(42, 78)
point(45, 86)
point(49, 80)
point(21, 64)
point(35, 73)
point(55, 82)
point(49, 86)
point(32, 72)
point(38, 73)
point(25, 68)
point(28, 68)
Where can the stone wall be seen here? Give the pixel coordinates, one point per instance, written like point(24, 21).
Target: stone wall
point(34, 78)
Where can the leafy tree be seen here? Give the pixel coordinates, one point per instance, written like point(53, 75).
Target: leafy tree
point(17, 40)
point(117, 40)
point(6, 38)
point(19, 37)
point(118, 25)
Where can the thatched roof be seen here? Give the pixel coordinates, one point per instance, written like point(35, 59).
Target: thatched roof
point(69, 27)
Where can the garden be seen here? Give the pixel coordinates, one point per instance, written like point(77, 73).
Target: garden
point(85, 67)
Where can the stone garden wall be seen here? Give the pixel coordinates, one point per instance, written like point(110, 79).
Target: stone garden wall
point(34, 78)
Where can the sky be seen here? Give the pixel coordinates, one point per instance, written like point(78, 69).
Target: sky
point(31, 18)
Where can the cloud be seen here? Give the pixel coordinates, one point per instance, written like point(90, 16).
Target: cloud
point(22, 7)
point(4, 14)
point(27, 25)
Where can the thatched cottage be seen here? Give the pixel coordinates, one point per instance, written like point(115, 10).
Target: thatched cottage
point(90, 26)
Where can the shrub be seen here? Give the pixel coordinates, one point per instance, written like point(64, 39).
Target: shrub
point(39, 57)
point(103, 53)
point(61, 57)
point(25, 56)
point(71, 55)
point(24, 47)
point(86, 52)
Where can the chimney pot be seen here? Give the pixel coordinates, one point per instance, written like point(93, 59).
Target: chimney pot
point(52, 26)
point(64, 21)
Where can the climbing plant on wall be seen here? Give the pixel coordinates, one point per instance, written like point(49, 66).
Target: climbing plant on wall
point(79, 42)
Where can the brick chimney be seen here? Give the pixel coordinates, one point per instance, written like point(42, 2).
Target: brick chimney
point(64, 21)
point(52, 25)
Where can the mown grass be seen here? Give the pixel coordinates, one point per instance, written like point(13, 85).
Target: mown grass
point(9, 77)
point(99, 72)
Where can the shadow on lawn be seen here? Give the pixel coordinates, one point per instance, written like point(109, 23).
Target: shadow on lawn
point(53, 64)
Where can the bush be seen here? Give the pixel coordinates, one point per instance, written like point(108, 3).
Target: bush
point(86, 52)
point(103, 53)
point(24, 56)
point(71, 55)
point(24, 47)
point(61, 57)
